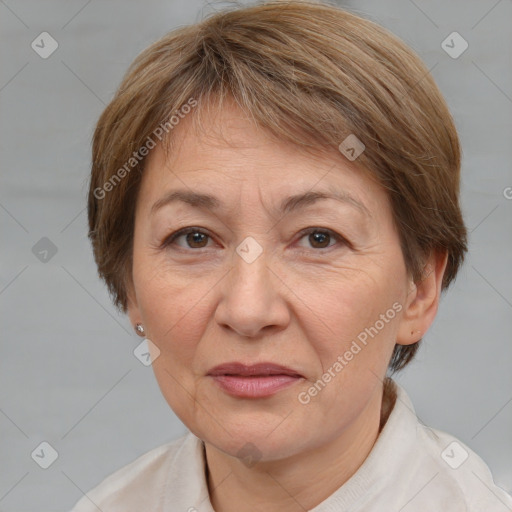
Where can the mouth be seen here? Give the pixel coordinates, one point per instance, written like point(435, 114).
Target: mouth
point(254, 381)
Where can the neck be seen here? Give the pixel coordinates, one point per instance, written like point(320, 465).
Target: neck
point(304, 480)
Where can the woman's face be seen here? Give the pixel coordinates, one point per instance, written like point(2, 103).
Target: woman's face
point(304, 300)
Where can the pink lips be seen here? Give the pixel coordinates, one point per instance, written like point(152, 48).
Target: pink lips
point(255, 381)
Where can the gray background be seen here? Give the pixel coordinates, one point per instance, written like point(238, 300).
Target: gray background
point(69, 376)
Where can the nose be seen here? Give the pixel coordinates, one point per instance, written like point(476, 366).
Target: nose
point(253, 298)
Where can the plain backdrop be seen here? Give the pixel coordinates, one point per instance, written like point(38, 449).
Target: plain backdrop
point(68, 373)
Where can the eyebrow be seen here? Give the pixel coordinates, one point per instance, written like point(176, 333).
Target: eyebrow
point(289, 204)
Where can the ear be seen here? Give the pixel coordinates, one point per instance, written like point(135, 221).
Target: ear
point(422, 301)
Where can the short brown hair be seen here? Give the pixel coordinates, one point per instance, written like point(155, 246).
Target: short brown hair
point(309, 73)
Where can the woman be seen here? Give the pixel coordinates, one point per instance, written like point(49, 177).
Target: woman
point(274, 203)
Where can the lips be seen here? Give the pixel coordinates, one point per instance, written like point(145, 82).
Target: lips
point(255, 381)
point(256, 370)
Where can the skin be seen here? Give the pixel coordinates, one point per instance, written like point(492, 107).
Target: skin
point(301, 303)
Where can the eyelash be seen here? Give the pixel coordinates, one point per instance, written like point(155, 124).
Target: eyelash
point(185, 231)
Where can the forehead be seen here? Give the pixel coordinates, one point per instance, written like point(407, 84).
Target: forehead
point(229, 157)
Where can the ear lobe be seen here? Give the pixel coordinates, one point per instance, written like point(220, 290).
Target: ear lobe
point(423, 301)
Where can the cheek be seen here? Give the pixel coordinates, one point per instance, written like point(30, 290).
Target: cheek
point(172, 305)
point(353, 348)
point(177, 312)
point(342, 304)
point(353, 321)
point(176, 317)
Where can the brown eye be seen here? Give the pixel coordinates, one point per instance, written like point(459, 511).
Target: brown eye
point(194, 238)
point(321, 238)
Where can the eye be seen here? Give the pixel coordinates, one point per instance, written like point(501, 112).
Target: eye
point(195, 238)
point(319, 238)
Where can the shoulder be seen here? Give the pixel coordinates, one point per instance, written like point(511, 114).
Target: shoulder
point(461, 474)
point(141, 483)
point(454, 476)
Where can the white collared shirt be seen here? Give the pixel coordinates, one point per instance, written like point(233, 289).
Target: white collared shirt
point(411, 468)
